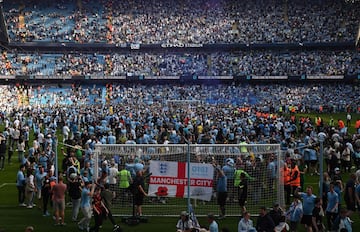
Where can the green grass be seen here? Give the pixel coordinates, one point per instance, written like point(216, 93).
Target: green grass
point(14, 218)
point(326, 118)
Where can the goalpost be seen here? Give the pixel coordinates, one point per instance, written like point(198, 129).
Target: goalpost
point(175, 172)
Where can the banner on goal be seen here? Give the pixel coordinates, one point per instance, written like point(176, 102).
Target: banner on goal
point(168, 185)
point(170, 179)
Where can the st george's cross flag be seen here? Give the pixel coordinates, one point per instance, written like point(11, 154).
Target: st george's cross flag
point(170, 179)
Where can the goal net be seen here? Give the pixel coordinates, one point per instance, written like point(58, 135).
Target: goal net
point(178, 177)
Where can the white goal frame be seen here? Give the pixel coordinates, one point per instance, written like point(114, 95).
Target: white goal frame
point(189, 153)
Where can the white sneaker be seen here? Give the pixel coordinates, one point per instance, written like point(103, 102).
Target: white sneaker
point(29, 206)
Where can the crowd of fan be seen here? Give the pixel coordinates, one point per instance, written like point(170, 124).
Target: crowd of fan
point(155, 98)
point(241, 63)
point(138, 112)
point(144, 117)
point(177, 22)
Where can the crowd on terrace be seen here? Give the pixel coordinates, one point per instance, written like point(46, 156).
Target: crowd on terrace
point(150, 99)
point(199, 21)
point(239, 63)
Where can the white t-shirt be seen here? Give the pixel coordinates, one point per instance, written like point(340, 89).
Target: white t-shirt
point(113, 173)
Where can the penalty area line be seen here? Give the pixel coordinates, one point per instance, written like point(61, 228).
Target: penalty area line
point(5, 184)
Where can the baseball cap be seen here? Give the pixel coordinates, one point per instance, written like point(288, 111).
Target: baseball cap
point(183, 213)
point(337, 169)
point(230, 161)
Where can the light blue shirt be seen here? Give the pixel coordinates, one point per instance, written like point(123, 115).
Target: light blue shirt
point(85, 198)
point(357, 190)
point(345, 223)
point(20, 179)
point(333, 199)
point(337, 189)
point(295, 212)
point(214, 227)
point(111, 139)
point(308, 203)
point(229, 171)
point(221, 185)
point(39, 179)
point(272, 169)
point(246, 226)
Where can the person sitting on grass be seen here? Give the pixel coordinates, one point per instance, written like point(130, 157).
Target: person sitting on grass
point(264, 222)
point(342, 222)
point(246, 224)
point(213, 226)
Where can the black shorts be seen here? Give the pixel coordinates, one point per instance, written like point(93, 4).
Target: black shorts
point(313, 162)
point(306, 220)
point(221, 198)
point(139, 199)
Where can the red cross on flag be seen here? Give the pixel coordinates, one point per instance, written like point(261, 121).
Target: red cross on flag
point(170, 179)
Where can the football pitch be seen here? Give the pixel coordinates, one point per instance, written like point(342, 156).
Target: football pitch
point(14, 218)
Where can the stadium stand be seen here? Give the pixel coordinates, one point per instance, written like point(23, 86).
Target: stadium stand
point(241, 63)
point(199, 21)
point(197, 46)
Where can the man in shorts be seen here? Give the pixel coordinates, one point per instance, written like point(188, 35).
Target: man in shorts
point(58, 192)
point(308, 206)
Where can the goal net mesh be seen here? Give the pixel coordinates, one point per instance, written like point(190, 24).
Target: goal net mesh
point(184, 162)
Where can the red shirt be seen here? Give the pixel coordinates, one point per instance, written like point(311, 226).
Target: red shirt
point(341, 124)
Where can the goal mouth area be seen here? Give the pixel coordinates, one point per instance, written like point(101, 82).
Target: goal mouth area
point(262, 190)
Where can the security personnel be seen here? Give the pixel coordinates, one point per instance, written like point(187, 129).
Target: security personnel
point(294, 174)
point(287, 187)
point(124, 184)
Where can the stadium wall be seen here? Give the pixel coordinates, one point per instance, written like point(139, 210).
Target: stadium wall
point(103, 47)
point(194, 79)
